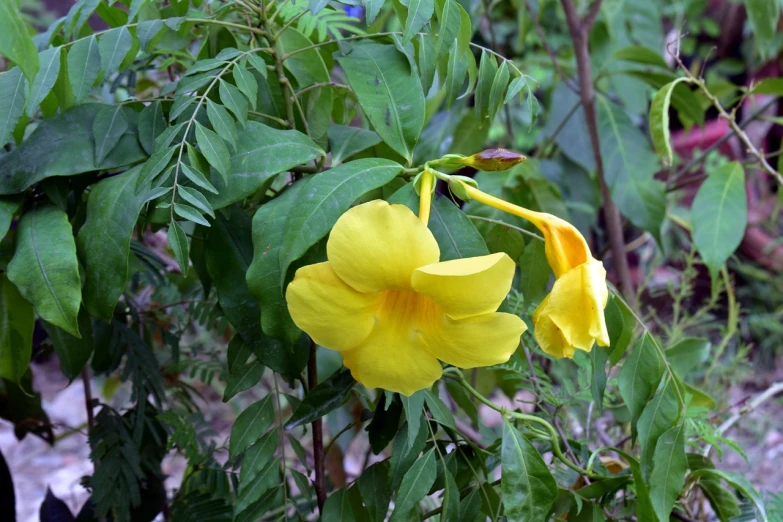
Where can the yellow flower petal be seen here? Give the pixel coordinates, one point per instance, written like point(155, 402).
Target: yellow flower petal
point(574, 311)
point(481, 340)
point(335, 315)
point(393, 358)
point(377, 246)
point(466, 287)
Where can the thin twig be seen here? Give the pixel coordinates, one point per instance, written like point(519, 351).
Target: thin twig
point(580, 30)
point(552, 56)
point(88, 399)
point(511, 138)
point(318, 435)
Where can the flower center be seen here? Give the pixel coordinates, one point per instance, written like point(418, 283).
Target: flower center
point(405, 310)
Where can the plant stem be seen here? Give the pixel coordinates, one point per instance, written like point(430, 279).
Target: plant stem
point(552, 56)
point(580, 31)
point(88, 399)
point(318, 435)
point(508, 225)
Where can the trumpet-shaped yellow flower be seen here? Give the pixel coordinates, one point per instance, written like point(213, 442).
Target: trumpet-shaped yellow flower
point(392, 310)
point(571, 317)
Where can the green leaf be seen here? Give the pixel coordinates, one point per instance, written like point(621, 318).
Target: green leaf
point(426, 60)
point(528, 487)
point(659, 121)
point(719, 215)
point(763, 16)
point(147, 30)
point(13, 93)
point(373, 7)
point(108, 127)
point(535, 272)
point(413, 406)
point(456, 235)
point(246, 83)
point(740, 483)
point(324, 398)
point(497, 93)
point(17, 321)
point(449, 18)
point(640, 54)
point(16, 43)
point(263, 275)
point(250, 492)
point(84, 66)
point(501, 238)
point(209, 64)
point(374, 487)
point(639, 377)
point(8, 207)
point(234, 101)
point(151, 124)
point(222, 122)
point(44, 267)
point(178, 241)
point(190, 213)
point(688, 354)
point(723, 502)
point(103, 242)
point(338, 508)
point(385, 423)
point(72, 352)
point(250, 425)
point(326, 197)
point(214, 150)
point(440, 412)
point(644, 507)
point(772, 86)
point(197, 178)
point(114, 46)
point(668, 475)
point(44, 79)
point(63, 145)
point(346, 141)
point(403, 454)
point(197, 199)
point(415, 485)
point(660, 414)
point(389, 93)
point(629, 167)
point(598, 357)
point(419, 14)
point(257, 63)
point(456, 69)
point(243, 379)
point(258, 456)
point(154, 166)
point(684, 100)
point(488, 69)
point(621, 324)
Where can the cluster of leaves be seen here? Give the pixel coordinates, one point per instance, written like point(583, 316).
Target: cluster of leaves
point(244, 130)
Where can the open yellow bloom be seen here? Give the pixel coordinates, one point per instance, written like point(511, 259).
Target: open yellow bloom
point(392, 310)
point(571, 317)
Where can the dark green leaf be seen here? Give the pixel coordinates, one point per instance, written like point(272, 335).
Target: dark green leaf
point(154, 166)
point(527, 485)
point(389, 93)
point(501, 238)
point(197, 199)
point(72, 352)
point(147, 30)
point(419, 13)
point(178, 241)
point(44, 79)
point(374, 487)
point(250, 492)
point(644, 507)
point(426, 59)
point(723, 501)
point(345, 141)
point(535, 272)
point(63, 145)
point(84, 66)
point(413, 406)
point(621, 324)
point(322, 399)
point(17, 321)
point(668, 475)
point(488, 69)
point(338, 507)
point(602, 487)
point(13, 93)
point(470, 506)
point(258, 456)
point(234, 101)
point(257, 63)
point(250, 425)
point(440, 412)
point(385, 423)
point(415, 485)
point(325, 198)
point(44, 267)
point(104, 240)
point(456, 70)
point(639, 377)
point(246, 83)
point(598, 357)
point(114, 45)
point(659, 121)
point(151, 125)
point(108, 127)
point(209, 64)
point(243, 379)
point(197, 178)
point(720, 215)
point(214, 150)
point(497, 93)
point(8, 207)
point(640, 54)
point(222, 122)
point(16, 43)
point(660, 414)
point(448, 12)
point(190, 213)
point(740, 483)
point(405, 454)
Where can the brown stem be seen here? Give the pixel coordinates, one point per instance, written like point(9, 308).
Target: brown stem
point(511, 138)
point(318, 435)
point(88, 399)
point(580, 30)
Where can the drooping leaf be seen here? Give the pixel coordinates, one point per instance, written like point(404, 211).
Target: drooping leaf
point(449, 18)
point(84, 66)
point(488, 69)
point(621, 324)
point(414, 413)
point(456, 70)
point(153, 167)
point(72, 352)
point(63, 145)
point(13, 94)
point(250, 425)
point(243, 379)
point(44, 79)
point(405, 454)
point(374, 487)
point(258, 456)
point(720, 215)
point(103, 242)
point(17, 320)
point(440, 412)
point(389, 93)
point(108, 127)
point(234, 101)
point(419, 13)
point(639, 377)
point(178, 241)
point(535, 272)
point(325, 198)
point(44, 267)
point(497, 93)
point(16, 43)
point(669, 468)
point(197, 199)
point(114, 46)
point(325, 397)
point(529, 489)
point(222, 122)
point(659, 415)
point(659, 121)
point(740, 483)
point(346, 141)
point(214, 150)
point(426, 59)
point(246, 83)
point(151, 124)
point(723, 501)
point(415, 485)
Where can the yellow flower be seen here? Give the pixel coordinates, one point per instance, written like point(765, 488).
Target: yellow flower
point(392, 310)
point(571, 317)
